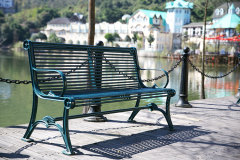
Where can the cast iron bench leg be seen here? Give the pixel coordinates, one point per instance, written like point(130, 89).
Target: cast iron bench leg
point(166, 113)
point(66, 138)
point(135, 112)
point(31, 125)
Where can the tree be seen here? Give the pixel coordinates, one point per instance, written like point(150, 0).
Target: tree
point(135, 37)
point(202, 96)
point(150, 39)
point(127, 38)
point(1, 17)
point(109, 37)
point(238, 29)
point(42, 36)
point(6, 34)
point(91, 21)
point(116, 36)
point(54, 39)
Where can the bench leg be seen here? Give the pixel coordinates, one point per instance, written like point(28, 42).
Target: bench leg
point(166, 113)
point(65, 134)
point(135, 112)
point(238, 101)
point(31, 125)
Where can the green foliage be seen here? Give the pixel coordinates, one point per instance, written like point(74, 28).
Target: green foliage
point(54, 39)
point(135, 37)
point(109, 37)
point(150, 39)
point(197, 13)
point(40, 36)
point(1, 17)
point(238, 29)
point(127, 38)
point(33, 14)
point(116, 37)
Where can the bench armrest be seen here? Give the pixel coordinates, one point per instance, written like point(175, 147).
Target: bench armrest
point(166, 74)
point(51, 94)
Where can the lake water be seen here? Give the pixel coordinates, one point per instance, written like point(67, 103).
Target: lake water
point(16, 100)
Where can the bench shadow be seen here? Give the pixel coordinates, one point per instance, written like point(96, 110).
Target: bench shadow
point(13, 155)
point(127, 146)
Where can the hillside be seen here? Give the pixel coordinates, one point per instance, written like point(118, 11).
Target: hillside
point(113, 10)
point(31, 15)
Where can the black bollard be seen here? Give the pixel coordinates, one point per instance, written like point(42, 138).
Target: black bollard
point(238, 93)
point(183, 94)
point(98, 79)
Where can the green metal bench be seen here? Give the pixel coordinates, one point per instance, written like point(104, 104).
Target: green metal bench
point(82, 75)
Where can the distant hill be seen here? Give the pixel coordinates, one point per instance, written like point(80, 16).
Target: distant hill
point(113, 10)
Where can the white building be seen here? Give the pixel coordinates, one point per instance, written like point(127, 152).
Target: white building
point(164, 27)
point(178, 14)
point(76, 32)
point(7, 6)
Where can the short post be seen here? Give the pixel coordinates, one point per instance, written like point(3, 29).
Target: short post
point(98, 79)
point(238, 93)
point(183, 95)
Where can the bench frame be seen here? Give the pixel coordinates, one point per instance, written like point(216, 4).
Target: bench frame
point(69, 103)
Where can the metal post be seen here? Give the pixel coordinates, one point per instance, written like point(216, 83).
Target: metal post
point(183, 95)
point(98, 78)
point(238, 94)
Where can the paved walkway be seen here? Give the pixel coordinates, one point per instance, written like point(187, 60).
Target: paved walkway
point(208, 131)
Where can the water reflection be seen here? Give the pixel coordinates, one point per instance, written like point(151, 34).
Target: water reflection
point(16, 100)
point(5, 91)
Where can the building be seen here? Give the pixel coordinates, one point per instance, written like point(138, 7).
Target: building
point(7, 6)
point(76, 32)
point(223, 9)
point(164, 27)
point(178, 14)
point(227, 24)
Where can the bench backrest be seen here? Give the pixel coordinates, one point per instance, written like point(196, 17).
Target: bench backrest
point(87, 68)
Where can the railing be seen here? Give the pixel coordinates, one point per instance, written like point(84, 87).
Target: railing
point(183, 96)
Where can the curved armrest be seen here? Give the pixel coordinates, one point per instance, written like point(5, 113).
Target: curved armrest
point(166, 74)
point(51, 94)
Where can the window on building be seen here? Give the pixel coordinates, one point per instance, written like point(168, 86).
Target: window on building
point(237, 10)
point(217, 12)
point(221, 11)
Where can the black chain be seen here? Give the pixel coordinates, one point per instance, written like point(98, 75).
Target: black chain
point(49, 79)
point(144, 80)
point(15, 81)
point(66, 73)
point(78, 67)
point(210, 76)
point(163, 75)
point(117, 70)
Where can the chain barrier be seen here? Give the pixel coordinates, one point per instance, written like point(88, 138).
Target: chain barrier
point(163, 75)
point(210, 76)
point(15, 81)
point(49, 79)
point(144, 80)
point(125, 75)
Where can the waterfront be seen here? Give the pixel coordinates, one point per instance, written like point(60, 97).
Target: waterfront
point(15, 100)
